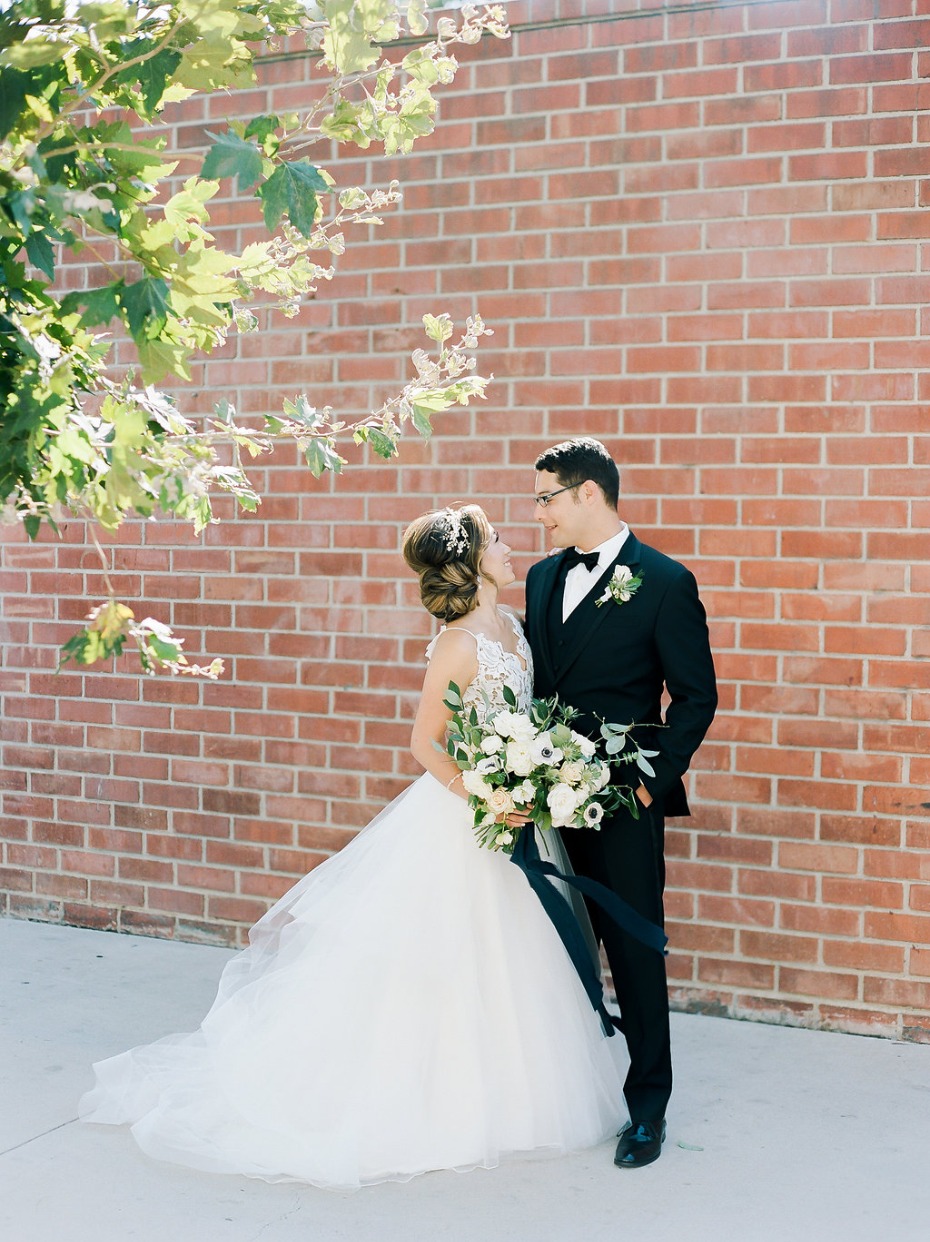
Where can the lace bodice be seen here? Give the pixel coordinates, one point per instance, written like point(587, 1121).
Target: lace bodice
point(498, 668)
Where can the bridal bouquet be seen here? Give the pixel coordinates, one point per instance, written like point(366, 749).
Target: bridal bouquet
point(537, 764)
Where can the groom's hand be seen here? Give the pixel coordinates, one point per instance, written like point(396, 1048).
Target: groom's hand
point(644, 795)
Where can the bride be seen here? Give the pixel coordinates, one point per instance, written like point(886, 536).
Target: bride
point(408, 1005)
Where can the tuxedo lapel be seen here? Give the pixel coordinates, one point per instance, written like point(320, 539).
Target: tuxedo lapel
point(547, 577)
point(588, 617)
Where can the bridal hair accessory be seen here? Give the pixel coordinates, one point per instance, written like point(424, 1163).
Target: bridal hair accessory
point(455, 536)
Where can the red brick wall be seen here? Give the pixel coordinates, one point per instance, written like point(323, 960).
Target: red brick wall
point(702, 236)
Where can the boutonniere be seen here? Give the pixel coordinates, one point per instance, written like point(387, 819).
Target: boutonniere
point(622, 586)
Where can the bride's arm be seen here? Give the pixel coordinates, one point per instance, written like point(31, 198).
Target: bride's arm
point(454, 659)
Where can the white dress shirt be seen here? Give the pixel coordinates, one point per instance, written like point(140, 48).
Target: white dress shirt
point(579, 581)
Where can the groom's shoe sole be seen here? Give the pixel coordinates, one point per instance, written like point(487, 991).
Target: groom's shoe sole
point(639, 1145)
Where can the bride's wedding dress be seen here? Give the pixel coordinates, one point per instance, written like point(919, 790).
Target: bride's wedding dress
point(407, 1006)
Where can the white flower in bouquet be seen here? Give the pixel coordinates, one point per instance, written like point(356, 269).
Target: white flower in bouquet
point(514, 725)
point(492, 744)
point(562, 805)
point(536, 762)
point(544, 751)
point(523, 793)
point(593, 814)
point(603, 776)
point(518, 758)
point(474, 783)
point(572, 771)
point(499, 802)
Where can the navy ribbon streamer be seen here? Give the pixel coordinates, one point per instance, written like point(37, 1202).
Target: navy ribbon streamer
point(526, 856)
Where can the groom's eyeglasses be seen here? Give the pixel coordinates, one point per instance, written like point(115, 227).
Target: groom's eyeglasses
point(544, 497)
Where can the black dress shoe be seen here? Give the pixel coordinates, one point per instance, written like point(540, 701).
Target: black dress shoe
point(640, 1144)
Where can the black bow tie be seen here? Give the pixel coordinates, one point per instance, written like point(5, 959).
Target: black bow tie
point(573, 557)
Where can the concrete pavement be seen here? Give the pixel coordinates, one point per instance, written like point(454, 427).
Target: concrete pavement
point(775, 1133)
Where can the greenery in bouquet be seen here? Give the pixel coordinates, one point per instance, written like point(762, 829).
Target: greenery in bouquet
point(536, 764)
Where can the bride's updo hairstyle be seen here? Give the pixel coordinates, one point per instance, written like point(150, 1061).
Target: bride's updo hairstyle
point(444, 548)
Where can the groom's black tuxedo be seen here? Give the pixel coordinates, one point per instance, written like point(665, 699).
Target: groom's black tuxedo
point(612, 662)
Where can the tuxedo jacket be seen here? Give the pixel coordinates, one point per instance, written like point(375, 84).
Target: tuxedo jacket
point(612, 661)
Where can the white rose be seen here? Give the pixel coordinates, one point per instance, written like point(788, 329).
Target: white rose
point(492, 744)
point(572, 771)
point(622, 574)
point(473, 783)
point(561, 802)
point(523, 728)
point(585, 745)
point(524, 793)
point(499, 801)
point(503, 838)
point(603, 776)
point(503, 723)
point(518, 759)
point(543, 751)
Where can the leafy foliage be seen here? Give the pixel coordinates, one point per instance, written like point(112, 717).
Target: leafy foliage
point(84, 167)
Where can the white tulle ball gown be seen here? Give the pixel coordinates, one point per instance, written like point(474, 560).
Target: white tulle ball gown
point(407, 1006)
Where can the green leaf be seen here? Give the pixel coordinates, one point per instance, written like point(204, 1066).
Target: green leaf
point(264, 128)
point(15, 86)
point(438, 327)
point(416, 17)
point(347, 45)
point(163, 650)
point(146, 307)
point(232, 156)
point(383, 444)
point(100, 305)
point(154, 75)
point(39, 250)
point(189, 202)
point(321, 456)
point(421, 420)
point(159, 358)
point(30, 53)
point(273, 193)
point(293, 188)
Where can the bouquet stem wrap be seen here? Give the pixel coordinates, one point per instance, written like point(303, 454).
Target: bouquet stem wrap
point(526, 856)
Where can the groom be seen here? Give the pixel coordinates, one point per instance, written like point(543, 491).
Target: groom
point(610, 656)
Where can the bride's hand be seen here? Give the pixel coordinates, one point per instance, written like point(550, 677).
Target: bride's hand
point(516, 819)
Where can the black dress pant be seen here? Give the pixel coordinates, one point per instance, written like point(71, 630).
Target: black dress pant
point(627, 856)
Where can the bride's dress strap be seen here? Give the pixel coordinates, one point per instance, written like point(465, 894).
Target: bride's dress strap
point(514, 621)
point(432, 645)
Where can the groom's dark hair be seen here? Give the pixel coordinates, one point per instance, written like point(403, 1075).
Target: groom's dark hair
point(574, 461)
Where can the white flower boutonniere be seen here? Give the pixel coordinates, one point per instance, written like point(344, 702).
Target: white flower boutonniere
point(622, 586)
